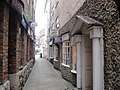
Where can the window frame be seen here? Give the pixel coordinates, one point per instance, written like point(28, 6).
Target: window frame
point(66, 53)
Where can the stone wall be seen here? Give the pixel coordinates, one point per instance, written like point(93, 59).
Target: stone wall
point(106, 12)
point(51, 60)
point(68, 75)
point(24, 74)
point(56, 64)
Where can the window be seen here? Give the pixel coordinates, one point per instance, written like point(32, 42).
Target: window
point(55, 53)
point(51, 52)
point(66, 52)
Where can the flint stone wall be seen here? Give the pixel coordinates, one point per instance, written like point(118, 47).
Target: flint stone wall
point(56, 65)
point(68, 75)
point(24, 74)
point(106, 12)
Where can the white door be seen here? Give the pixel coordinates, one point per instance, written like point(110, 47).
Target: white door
point(87, 63)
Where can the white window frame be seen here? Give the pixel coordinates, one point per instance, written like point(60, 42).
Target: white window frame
point(66, 53)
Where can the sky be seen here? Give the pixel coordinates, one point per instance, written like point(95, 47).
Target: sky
point(40, 17)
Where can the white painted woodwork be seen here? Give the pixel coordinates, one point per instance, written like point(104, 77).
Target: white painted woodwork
point(96, 34)
point(79, 60)
point(88, 63)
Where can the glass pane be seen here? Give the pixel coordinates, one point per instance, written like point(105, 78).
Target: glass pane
point(68, 49)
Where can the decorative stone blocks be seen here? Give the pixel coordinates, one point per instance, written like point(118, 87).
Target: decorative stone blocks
point(68, 75)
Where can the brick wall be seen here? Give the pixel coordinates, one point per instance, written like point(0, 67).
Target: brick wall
point(28, 48)
point(4, 18)
point(13, 50)
point(25, 47)
point(32, 49)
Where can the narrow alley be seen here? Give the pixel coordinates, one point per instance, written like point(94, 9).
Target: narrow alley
point(59, 44)
point(45, 77)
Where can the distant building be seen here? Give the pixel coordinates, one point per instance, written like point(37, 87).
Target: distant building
point(84, 42)
point(37, 45)
point(47, 26)
point(43, 43)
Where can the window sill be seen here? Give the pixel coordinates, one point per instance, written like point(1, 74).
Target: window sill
point(65, 65)
point(74, 71)
point(51, 58)
point(56, 60)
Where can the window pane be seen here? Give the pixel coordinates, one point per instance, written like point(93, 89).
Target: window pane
point(66, 50)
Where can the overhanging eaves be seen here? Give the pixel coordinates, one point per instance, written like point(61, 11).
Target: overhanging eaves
point(88, 20)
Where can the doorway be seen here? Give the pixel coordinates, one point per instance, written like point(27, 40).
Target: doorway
point(87, 63)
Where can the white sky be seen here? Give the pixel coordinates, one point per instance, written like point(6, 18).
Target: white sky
point(40, 17)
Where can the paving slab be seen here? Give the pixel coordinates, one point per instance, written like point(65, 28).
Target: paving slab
point(45, 77)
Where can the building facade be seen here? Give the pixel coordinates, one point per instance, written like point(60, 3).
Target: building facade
point(17, 44)
point(85, 42)
point(43, 47)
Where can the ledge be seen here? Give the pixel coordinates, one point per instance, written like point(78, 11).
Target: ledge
point(55, 60)
point(74, 71)
point(66, 65)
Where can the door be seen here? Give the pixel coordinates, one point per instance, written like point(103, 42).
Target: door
point(87, 63)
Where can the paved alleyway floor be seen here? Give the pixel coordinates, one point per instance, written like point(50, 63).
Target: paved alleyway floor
point(45, 77)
